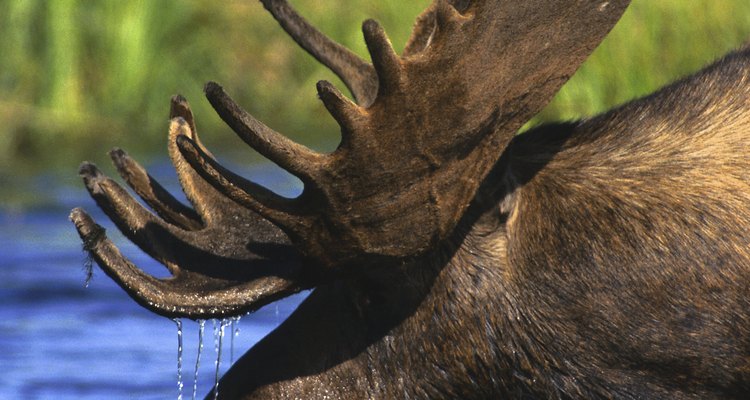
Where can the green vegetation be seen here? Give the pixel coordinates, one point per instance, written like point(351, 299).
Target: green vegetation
point(78, 77)
point(655, 43)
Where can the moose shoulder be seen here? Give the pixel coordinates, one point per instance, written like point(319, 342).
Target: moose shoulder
point(603, 258)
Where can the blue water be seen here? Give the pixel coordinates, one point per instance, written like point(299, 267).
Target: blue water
point(61, 340)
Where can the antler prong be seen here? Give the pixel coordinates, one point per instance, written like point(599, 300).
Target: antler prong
point(171, 297)
point(136, 222)
point(179, 107)
point(357, 74)
point(153, 193)
point(347, 114)
point(114, 264)
point(384, 58)
point(277, 209)
point(293, 157)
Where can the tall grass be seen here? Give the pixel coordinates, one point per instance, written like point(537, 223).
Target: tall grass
point(78, 77)
point(655, 42)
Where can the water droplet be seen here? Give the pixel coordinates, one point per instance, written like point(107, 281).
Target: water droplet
point(179, 357)
point(235, 329)
point(218, 338)
point(201, 326)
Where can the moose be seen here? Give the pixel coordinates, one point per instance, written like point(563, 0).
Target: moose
point(450, 257)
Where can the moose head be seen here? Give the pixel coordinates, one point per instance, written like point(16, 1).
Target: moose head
point(450, 258)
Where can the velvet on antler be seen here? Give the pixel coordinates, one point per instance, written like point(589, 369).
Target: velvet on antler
point(224, 259)
point(425, 129)
point(410, 160)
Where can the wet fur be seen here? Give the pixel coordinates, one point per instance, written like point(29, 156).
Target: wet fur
point(606, 258)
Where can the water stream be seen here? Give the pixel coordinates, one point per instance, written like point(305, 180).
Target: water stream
point(235, 329)
point(218, 340)
point(201, 328)
point(179, 358)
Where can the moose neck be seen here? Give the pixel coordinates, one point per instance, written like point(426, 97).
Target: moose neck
point(427, 328)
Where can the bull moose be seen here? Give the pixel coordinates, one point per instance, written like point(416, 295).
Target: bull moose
point(450, 257)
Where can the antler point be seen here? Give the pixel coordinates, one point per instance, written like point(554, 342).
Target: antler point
point(117, 152)
point(89, 231)
point(386, 62)
point(183, 141)
point(178, 98)
point(211, 87)
point(120, 158)
point(88, 170)
point(77, 214)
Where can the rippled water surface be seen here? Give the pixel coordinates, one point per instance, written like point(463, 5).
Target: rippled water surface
point(61, 340)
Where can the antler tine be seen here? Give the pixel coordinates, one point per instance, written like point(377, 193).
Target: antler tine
point(200, 194)
point(279, 210)
point(348, 115)
point(421, 34)
point(186, 294)
point(179, 107)
point(140, 285)
point(385, 60)
point(136, 222)
point(153, 193)
point(293, 157)
point(357, 74)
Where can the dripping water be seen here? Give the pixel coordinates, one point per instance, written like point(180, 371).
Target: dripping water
point(201, 326)
point(89, 268)
point(218, 338)
point(235, 331)
point(219, 328)
point(179, 357)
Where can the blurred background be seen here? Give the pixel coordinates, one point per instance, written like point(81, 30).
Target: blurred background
point(78, 77)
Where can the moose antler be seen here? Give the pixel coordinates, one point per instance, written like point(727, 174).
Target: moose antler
point(411, 159)
point(218, 253)
point(426, 128)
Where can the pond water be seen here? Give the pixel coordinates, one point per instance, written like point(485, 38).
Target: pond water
point(61, 340)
